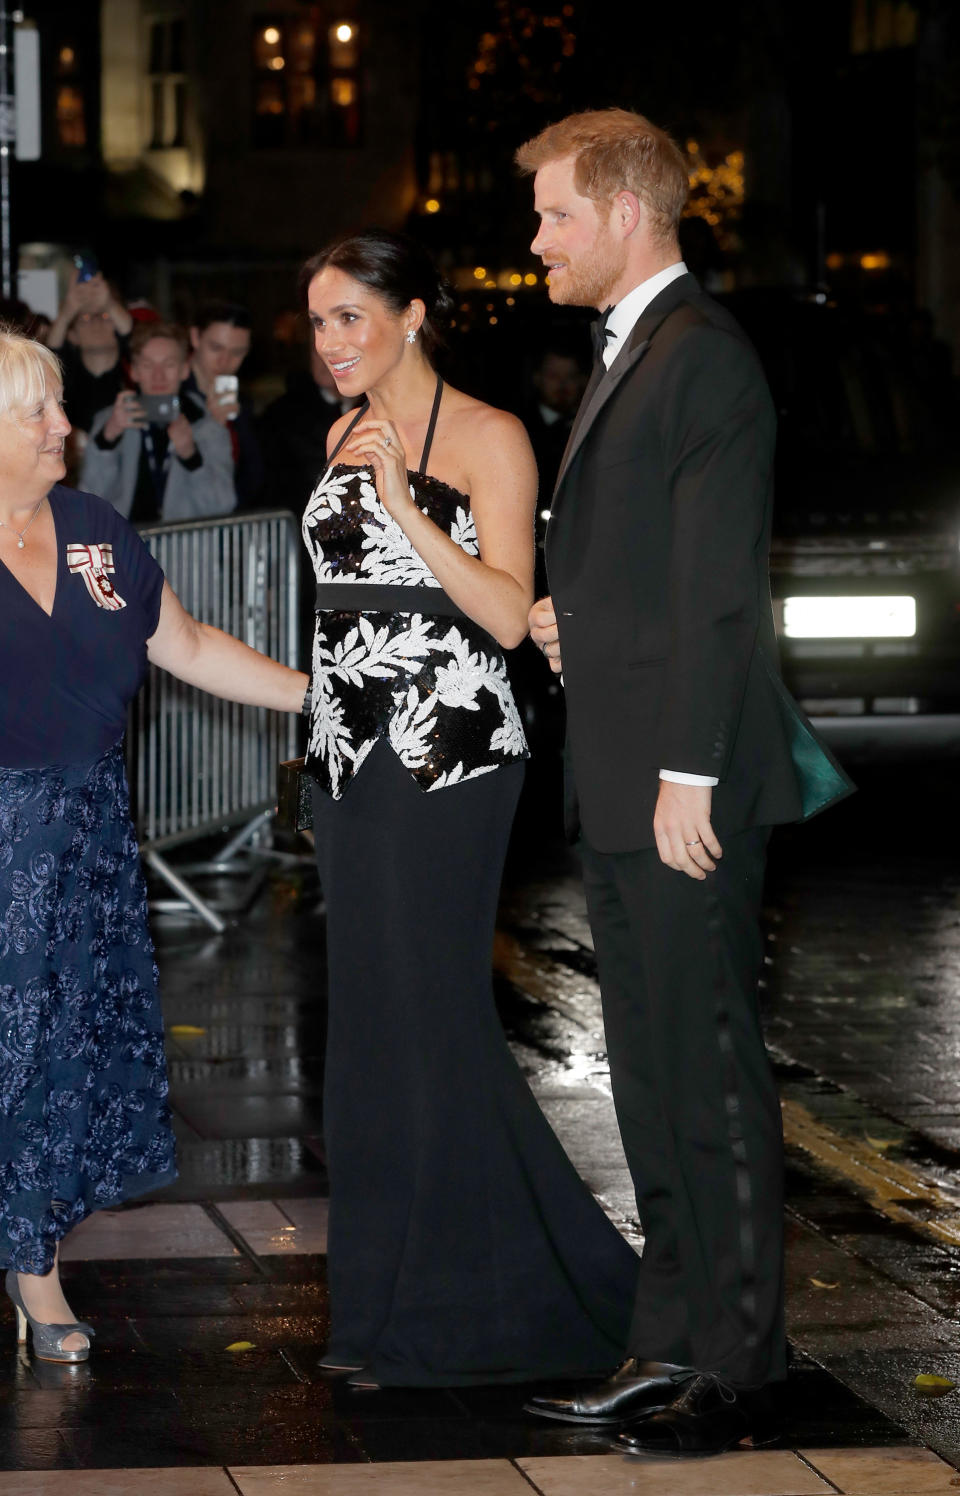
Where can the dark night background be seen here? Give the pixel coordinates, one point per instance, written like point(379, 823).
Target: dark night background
point(826, 135)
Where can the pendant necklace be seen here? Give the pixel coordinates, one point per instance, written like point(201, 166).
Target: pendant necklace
point(20, 533)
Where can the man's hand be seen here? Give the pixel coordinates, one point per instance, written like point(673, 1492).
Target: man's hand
point(543, 632)
point(223, 408)
point(681, 825)
point(180, 433)
point(127, 411)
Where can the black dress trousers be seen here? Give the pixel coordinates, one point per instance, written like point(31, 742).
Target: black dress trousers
point(697, 1104)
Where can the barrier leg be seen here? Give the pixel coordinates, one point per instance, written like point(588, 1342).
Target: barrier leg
point(187, 894)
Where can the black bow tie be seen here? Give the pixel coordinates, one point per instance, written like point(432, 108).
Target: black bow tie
point(600, 332)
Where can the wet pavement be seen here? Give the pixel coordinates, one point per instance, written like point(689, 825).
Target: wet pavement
point(210, 1304)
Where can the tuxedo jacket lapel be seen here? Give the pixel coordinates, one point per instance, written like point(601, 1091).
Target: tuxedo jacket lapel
point(605, 381)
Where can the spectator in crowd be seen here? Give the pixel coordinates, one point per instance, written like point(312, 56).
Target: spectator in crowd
point(559, 379)
point(219, 342)
point(90, 335)
point(17, 315)
point(160, 458)
point(293, 433)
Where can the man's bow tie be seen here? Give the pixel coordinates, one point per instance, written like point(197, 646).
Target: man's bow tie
point(600, 332)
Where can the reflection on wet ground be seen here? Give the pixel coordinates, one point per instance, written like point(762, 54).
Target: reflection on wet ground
point(210, 1301)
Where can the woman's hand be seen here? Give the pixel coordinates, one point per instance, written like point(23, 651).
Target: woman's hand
point(377, 443)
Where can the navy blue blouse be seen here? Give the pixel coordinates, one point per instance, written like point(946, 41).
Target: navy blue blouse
point(67, 679)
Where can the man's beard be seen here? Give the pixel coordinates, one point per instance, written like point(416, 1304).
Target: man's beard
point(591, 281)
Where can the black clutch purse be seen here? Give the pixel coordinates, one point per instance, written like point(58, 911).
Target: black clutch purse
point(294, 796)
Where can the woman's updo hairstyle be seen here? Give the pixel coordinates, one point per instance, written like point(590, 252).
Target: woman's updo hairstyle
point(397, 268)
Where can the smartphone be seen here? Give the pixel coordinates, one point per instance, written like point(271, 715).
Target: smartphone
point(225, 387)
point(87, 267)
point(160, 410)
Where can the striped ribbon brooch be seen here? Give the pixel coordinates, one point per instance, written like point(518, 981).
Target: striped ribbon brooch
point(93, 562)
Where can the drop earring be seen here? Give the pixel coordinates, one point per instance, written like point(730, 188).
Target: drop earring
point(411, 336)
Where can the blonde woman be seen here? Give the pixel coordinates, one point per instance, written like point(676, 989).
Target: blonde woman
point(84, 1117)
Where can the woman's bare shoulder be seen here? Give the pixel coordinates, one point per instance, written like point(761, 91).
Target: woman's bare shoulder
point(479, 423)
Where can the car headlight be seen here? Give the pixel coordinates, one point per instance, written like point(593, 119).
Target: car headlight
point(849, 617)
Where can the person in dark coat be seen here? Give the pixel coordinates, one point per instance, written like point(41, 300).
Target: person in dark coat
point(293, 432)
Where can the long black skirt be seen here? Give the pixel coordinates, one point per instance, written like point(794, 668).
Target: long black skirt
point(84, 1115)
point(463, 1246)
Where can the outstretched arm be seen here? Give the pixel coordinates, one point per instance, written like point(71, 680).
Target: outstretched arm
point(216, 662)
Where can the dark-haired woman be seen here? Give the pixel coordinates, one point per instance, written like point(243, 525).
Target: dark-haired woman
point(463, 1247)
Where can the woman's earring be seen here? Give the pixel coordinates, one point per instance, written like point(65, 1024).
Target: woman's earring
point(411, 336)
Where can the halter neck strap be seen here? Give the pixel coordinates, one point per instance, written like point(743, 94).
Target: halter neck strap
point(425, 455)
point(361, 412)
point(431, 428)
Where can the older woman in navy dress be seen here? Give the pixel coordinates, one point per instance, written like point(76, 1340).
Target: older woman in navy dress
point(84, 1117)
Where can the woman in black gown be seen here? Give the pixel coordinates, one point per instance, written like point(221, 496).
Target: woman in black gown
point(463, 1247)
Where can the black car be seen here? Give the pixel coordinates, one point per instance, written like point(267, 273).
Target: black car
point(865, 562)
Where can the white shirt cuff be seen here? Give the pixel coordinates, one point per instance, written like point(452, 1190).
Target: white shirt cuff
point(675, 776)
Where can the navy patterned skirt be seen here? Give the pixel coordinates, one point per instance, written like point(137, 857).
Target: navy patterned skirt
point(84, 1115)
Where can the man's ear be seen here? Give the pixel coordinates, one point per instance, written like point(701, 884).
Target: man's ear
point(628, 213)
point(194, 338)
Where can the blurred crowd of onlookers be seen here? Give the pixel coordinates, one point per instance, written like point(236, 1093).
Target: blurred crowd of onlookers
point(164, 428)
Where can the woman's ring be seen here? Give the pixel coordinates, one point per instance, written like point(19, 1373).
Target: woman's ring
point(693, 843)
point(387, 441)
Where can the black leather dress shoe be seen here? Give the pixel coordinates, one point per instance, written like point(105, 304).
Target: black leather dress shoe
point(635, 1390)
point(706, 1417)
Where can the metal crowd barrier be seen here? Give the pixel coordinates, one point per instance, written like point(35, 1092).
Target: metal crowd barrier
point(199, 766)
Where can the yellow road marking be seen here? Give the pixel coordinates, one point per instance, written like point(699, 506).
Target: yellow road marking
point(895, 1189)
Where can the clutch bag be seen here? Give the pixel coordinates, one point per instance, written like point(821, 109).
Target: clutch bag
point(294, 796)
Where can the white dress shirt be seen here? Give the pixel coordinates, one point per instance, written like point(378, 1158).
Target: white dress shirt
point(620, 324)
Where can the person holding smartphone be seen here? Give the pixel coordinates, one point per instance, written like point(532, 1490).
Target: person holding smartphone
point(220, 336)
point(156, 453)
point(90, 335)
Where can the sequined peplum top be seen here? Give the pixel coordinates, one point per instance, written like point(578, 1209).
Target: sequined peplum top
point(392, 655)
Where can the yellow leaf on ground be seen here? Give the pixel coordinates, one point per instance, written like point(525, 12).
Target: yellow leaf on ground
point(932, 1385)
point(185, 1029)
point(241, 1345)
point(818, 1283)
point(881, 1144)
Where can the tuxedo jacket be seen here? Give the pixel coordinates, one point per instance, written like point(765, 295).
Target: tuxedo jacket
point(657, 562)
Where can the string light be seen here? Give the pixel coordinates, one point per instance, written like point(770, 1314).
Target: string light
point(716, 192)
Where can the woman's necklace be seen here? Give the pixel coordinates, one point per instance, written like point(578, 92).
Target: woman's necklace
point(20, 533)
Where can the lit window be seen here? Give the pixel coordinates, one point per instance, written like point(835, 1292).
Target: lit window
point(342, 42)
point(343, 92)
point(167, 84)
point(71, 118)
point(306, 83)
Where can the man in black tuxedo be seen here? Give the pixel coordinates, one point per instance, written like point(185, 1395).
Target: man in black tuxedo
point(681, 749)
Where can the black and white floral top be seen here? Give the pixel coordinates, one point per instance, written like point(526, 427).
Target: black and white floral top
point(392, 655)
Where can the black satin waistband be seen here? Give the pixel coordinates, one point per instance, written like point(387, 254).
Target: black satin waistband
point(362, 597)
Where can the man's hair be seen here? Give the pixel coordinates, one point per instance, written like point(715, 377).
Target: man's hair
point(145, 332)
point(28, 372)
point(222, 311)
point(615, 150)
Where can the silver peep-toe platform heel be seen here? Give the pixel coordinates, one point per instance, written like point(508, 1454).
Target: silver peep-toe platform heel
point(47, 1339)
